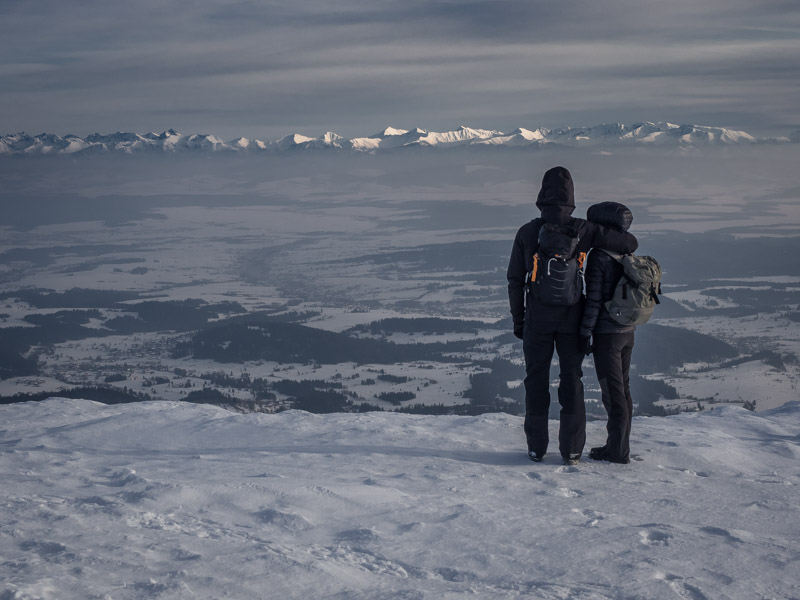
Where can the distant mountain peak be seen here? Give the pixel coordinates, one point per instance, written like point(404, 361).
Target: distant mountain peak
point(389, 131)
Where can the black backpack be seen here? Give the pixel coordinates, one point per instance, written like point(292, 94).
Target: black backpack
point(557, 274)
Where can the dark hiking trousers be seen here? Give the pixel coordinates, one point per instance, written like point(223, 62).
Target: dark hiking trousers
point(612, 360)
point(538, 344)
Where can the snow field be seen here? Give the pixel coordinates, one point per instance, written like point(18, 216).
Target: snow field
point(170, 500)
point(144, 356)
point(753, 380)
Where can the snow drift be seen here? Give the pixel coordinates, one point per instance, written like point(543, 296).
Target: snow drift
point(171, 500)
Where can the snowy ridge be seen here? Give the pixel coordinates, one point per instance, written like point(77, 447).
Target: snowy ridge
point(177, 500)
point(616, 134)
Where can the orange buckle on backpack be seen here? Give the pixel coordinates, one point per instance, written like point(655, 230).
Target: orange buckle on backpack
point(535, 267)
point(581, 259)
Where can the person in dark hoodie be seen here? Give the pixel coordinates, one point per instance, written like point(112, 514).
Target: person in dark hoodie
point(544, 328)
point(613, 343)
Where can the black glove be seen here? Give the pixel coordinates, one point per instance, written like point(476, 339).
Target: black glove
point(586, 345)
point(518, 329)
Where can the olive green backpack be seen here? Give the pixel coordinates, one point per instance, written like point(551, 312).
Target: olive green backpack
point(636, 294)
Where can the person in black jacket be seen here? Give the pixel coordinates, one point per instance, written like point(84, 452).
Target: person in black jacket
point(544, 328)
point(613, 343)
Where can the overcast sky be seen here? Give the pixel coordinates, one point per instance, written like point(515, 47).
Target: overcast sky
point(268, 68)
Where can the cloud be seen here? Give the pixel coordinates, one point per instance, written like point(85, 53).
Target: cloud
point(356, 65)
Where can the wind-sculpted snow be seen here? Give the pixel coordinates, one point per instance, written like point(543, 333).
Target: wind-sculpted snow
point(638, 134)
point(175, 500)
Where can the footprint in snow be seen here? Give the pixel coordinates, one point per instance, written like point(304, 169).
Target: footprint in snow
point(695, 473)
point(688, 472)
point(566, 492)
point(593, 517)
point(724, 533)
point(409, 527)
point(283, 520)
point(48, 550)
point(568, 469)
point(98, 503)
point(454, 575)
point(123, 477)
point(680, 587)
point(654, 535)
point(687, 591)
point(357, 536)
point(184, 555)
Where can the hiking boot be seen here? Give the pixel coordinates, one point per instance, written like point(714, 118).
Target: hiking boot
point(572, 459)
point(599, 453)
point(535, 456)
point(602, 453)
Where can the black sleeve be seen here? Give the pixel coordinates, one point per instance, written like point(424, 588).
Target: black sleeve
point(595, 282)
point(614, 240)
point(516, 280)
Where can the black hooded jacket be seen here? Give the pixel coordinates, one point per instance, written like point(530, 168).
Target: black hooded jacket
point(556, 201)
point(603, 273)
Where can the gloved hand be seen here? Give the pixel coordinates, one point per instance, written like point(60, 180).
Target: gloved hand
point(586, 345)
point(519, 328)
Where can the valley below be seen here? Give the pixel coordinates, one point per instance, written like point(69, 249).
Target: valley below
point(337, 283)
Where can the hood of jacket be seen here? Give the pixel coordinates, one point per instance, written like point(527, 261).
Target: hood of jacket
point(557, 189)
point(557, 215)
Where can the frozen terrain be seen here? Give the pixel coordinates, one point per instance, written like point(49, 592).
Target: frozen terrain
point(175, 500)
point(346, 240)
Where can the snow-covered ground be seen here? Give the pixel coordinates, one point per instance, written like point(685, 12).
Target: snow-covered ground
point(757, 380)
point(751, 381)
point(169, 500)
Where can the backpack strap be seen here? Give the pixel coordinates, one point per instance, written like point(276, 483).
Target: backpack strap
point(614, 255)
point(654, 292)
point(630, 281)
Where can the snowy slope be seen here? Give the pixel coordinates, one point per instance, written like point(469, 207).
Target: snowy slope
point(167, 500)
point(615, 134)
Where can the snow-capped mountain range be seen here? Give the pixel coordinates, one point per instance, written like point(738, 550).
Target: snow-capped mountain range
point(616, 134)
